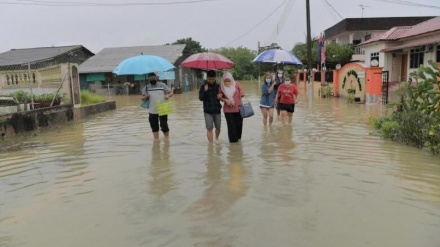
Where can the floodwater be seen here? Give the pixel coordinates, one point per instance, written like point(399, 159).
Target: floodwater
point(323, 181)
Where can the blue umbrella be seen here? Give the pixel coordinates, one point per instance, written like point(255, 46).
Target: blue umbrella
point(277, 56)
point(142, 64)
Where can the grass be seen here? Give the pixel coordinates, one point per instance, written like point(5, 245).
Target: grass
point(89, 98)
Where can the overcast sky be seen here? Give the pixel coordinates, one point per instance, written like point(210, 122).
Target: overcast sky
point(97, 24)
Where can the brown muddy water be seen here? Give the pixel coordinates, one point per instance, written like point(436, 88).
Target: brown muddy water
point(324, 181)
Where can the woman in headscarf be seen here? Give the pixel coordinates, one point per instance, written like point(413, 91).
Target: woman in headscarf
point(230, 94)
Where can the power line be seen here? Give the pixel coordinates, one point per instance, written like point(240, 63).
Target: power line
point(265, 18)
point(408, 3)
point(331, 6)
point(331, 10)
point(281, 22)
point(95, 4)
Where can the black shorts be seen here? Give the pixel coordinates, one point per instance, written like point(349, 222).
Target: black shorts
point(154, 120)
point(287, 107)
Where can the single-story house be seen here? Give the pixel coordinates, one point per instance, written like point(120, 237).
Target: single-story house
point(402, 49)
point(42, 70)
point(97, 72)
point(358, 30)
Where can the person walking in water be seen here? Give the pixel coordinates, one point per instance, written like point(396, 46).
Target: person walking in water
point(286, 98)
point(279, 79)
point(155, 92)
point(208, 93)
point(267, 100)
point(230, 94)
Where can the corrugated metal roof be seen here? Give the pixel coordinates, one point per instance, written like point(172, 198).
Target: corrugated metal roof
point(416, 43)
point(107, 59)
point(392, 34)
point(23, 56)
point(424, 27)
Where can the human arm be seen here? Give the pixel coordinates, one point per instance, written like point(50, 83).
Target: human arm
point(296, 94)
point(168, 92)
point(203, 92)
point(224, 99)
point(240, 89)
point(145, 94)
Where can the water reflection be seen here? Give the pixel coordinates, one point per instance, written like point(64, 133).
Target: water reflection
point(161, 174)
point(211, 214)
point(324, 179)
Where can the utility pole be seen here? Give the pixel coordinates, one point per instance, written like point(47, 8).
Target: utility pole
point(309, 44)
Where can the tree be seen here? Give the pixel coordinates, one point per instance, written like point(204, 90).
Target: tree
point(335, 53)
point(242, 57)
point(192, 47)
point(339, 53)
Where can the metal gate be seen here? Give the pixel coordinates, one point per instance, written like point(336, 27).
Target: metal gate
point(385, 77)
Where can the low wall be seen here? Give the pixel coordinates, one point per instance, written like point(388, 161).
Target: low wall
point(19, 123)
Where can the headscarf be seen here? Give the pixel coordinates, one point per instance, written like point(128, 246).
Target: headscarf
point(228, 90)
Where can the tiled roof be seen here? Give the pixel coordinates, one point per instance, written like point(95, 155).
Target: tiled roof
point(22, 56)
point(107, 59)
point(424, 27)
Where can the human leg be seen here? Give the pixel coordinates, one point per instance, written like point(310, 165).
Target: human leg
point(164, 125)
point(270, 113)
point(154, 124)
point(290, 113)
point(232, 131)
point(217, 124)
point(264, 112)
point(210, 135)
point(239, 123)
point(209, 123)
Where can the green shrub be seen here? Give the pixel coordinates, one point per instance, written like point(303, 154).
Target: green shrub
point(89, 98)
point(415, 120)
point(48, 97)
point(21, 96)
point(389, 129)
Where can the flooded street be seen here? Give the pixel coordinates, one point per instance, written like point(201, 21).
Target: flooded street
point(324, 181)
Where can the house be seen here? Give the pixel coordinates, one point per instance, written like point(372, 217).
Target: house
point(54, 55)
point(358, 30)
point(402, 49)
point(97, 72)
point(42, 70)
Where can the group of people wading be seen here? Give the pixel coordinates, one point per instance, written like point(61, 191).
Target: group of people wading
point(278, 91)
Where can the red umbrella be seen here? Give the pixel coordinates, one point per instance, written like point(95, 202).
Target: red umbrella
point(207, 60)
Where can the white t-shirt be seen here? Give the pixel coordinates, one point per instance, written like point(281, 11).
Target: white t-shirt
point(156, 92)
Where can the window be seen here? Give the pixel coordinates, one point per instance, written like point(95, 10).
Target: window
point(438, 54)
point(367, 37)
point(416, 57)
point(374, 56)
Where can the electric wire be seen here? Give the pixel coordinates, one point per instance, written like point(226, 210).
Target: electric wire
point(408, 3)
point(280, 25)
point(331, 6)
point(96, 4)
point(258, 24)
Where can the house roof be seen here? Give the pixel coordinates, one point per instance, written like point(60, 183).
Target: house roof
point(392, 34)
point(423, 28)
point(374, 23)
point(416, 43)
point(23, 56)
point(107, 59)
point(399, 33)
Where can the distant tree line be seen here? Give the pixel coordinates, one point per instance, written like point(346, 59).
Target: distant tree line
point(245, 69)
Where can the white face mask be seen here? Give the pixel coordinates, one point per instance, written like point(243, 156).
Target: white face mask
point(287, 83)
point(280, 75)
